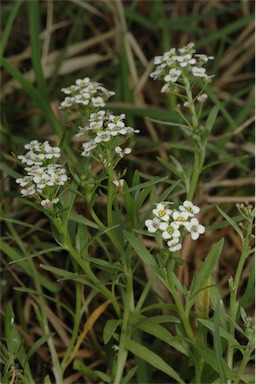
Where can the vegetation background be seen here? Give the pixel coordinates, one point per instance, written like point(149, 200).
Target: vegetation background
point(47, 45)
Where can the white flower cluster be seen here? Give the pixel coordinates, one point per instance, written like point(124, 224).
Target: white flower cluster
point(42, 172)
point(38, 153)
point(172, 223)
point(175, 63)
point(86, 92)
point(102, 127)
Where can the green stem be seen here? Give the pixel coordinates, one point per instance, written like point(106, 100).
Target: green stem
point(244, 362)
point(76, 325)
point(183, 316)
point(233, 293)
point(122, 351)
point(197, 169)
point(199, 154)
point(182, 313)
point(110, 197)
point(56, 367)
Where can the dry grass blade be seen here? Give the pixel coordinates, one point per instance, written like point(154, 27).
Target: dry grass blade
point(87, 327)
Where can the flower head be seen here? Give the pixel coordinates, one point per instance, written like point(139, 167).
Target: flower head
point(188, 207)
point(162, 212)
point(176, 63)
point(153, 225)
point(43, 176)
point(174, 223)
point(195, 228)
point(85, 92)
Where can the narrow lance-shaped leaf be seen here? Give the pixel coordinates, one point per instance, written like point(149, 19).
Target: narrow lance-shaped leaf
point(152, 358)
point(200, 278)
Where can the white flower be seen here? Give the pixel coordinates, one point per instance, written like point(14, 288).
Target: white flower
point(188, 207)
point(195, 228)
point(173, 75)
point(181, 218)
point(165, 88)
point(83, 82)
point(152, 225)
point(97, 116)
point(170, 65)
point(68, 102)
point(82, 99)
point(199, 72)
point(102, 136)
point(204, 57)
point(174, 245)
point(86, 92)
point(49, 203)
point(162, 212)
point(202, 98)
point(23, 181)
point(169, 230)
point(121, 152)
point(98, 102)
point(88, 147)
point(29, 191)
point(119, 183)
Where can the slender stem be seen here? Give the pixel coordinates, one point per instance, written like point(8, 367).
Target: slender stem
point(176, 298)
point(184, 318)
point(122, 351)
point(110, 197)
point(197, 169)
point(233, 293)
point(56, 367)
point(199, 154)
point(76, 325)
point(249, 349)
point(191, 102)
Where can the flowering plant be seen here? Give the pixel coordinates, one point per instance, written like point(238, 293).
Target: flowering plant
point(106, 244)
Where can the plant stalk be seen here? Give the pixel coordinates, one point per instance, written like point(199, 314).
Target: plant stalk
point(233, 293)
point(122, 351)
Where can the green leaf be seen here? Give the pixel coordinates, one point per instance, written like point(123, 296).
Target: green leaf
point(141, 250)
point(200, 278)
point(47, 380)
point(232, 223)
point(103, 376)
point(171, 167)
point(14, 255)
point(37, 345)
point(7, 28)
point(248, 379)
point(161, 333)
point(109, 329)
point(86, 371)
point(209, 356)
point(34, 32)
point(129, 375)
point(67, 200)
point(82, 220)
point(152, 359)
point(225, 160)
point(12, 344)
point(156, 180)
point(9, 171)
point(218, 347)
point(211, 118)
point(184, 127)
point(59, 271)
point(222, 332)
